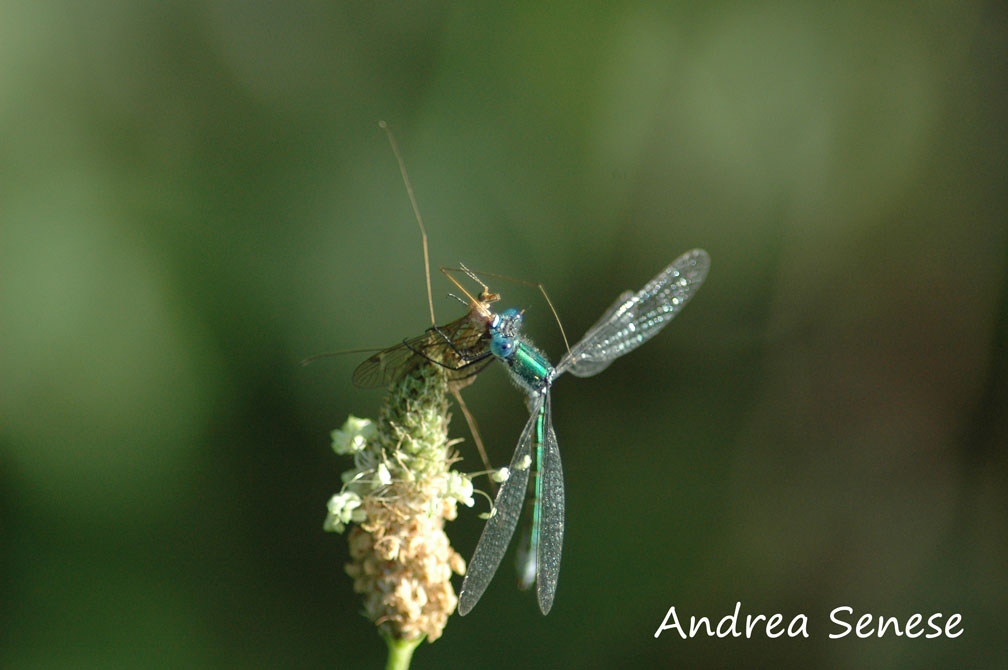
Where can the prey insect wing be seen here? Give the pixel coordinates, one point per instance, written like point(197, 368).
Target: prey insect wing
point(461, 347)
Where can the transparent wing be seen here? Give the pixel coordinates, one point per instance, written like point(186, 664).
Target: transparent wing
point(525, 560)
point(501, 526)
point(627, 325)
point(551, 522)
point(624, 297)
point(462, 347)
point(387, 366)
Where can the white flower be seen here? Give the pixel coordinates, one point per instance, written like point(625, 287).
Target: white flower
point(353, 436)
point(342, 509)
point(500, 476)
point(460, 488)
point(383, 477)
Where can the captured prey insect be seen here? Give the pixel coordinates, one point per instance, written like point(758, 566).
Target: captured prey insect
point(461, 347)
point(629, 322)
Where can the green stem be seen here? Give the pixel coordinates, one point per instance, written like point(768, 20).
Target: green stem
point(400, 652)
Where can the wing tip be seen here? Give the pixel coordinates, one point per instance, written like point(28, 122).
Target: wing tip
point(466, 601)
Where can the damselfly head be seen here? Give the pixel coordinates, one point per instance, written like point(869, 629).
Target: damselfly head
point(507, 323)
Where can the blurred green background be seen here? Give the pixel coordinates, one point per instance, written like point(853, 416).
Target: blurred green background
point(195, 196)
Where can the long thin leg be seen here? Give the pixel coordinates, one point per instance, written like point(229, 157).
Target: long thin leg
point(474, 429)
point(485, 296)
point(466, 358)
point(416, 212)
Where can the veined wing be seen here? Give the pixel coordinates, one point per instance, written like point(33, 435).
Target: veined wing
point(462, 347)
point(551, 521)
point(525, 560)
point(500, 527)
point(624, 297)
point(629, 324)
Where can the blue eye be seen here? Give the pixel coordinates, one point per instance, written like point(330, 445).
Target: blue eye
point(501, 346)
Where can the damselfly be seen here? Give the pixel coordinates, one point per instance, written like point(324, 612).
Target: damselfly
point(629, 322)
